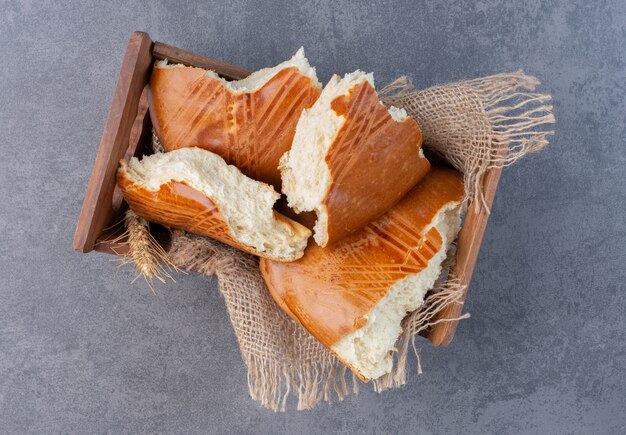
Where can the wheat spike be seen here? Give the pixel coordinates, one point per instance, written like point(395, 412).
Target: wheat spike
point(150, 259)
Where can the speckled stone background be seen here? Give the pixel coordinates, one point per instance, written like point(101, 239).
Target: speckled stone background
point(82, 350)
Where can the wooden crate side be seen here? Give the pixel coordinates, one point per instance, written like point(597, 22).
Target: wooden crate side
point(97, 211)
point(468, 247)
point(140, 139)
point(137, 139)
point(176, 55)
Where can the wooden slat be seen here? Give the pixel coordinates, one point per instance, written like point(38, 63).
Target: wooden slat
point(177, 55)
point(97, 212)
point(139, 141)
point(468, 247)
point(139, 133)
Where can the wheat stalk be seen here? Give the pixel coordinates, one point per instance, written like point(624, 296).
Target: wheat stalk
point(148, 256)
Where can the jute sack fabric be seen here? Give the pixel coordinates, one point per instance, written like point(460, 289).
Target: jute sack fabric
point(478, 124)
point(475, 125)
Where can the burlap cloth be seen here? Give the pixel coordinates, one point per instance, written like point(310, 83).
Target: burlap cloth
point(475, 125)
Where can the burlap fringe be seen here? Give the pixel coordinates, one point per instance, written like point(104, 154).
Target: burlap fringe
point(271, 382)
point(450, 292)
point(274, 373)
point(276, 367)
point(478, 124)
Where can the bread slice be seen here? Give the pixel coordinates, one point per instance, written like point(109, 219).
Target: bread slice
point(195, 190)
point(352, 158)
point(250, 123)
point(353, 295)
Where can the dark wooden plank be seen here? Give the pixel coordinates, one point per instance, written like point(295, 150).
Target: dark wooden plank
point(177, 55)
point(140, 135)
point(468, 247)
point(97, 212)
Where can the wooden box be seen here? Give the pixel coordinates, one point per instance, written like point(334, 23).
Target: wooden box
point(128, 132)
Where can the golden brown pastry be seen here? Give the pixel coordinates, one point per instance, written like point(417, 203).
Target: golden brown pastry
point(353, 295)
point(250, 123)
point(195, 190)
point(352, 158)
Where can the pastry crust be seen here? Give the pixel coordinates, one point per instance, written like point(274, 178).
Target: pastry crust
point(332, 291)
point(178, 203)
point(367, 161)
point(249, 128)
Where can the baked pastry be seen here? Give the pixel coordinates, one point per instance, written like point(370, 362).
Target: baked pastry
point(353, 295)
point(195, 190)
point(352, 158)
point(250, 123)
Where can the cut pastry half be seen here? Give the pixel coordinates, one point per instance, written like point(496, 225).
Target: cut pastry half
point(352, 158)
point(195, 190)
point(353, 295)
point(250, 122)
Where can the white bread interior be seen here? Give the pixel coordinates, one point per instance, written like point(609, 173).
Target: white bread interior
point(304, 172)
point(245, 204)
point(369, 349)
point(257, 79)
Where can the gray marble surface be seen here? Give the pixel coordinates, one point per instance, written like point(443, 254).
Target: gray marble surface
point(82, 350)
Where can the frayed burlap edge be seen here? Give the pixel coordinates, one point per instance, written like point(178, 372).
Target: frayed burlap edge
point(422, 319)
point(478, 124)
point(287, 360)
point(282, 357)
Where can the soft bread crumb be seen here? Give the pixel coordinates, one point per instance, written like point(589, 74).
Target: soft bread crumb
point(258, 79)
point(305, 175)
point(369, 349)
point(245, 204)
point(397, 113)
